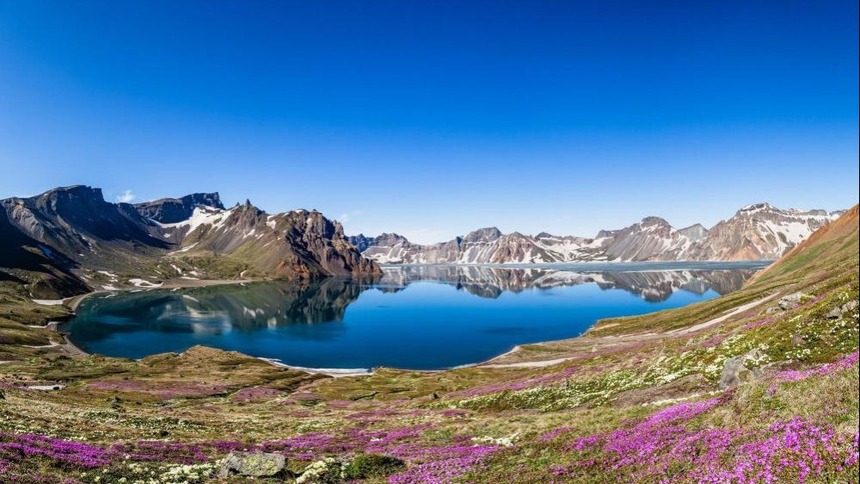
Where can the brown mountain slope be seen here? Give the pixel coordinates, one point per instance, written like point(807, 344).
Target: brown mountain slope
point(833, 245)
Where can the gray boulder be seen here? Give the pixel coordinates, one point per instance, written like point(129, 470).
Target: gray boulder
point(792, 301)
point(253, 464)
point(837, 312)
point(735, 371)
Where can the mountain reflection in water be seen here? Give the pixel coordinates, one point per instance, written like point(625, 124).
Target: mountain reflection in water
point(400, 319)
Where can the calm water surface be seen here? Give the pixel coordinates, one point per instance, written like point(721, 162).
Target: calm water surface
point(418, 317)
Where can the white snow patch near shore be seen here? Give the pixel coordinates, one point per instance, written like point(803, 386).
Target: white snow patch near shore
point(144, 283)
point(49, 302)
point(334, 372)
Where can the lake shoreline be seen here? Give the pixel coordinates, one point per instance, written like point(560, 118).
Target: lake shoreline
point(500, 360)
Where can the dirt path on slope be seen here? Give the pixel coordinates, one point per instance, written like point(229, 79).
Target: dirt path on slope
point(585, 345)
point(720, 319)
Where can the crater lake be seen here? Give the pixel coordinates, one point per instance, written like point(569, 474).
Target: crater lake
point(413, 317)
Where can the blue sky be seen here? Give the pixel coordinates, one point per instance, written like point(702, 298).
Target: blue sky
point(435, 118)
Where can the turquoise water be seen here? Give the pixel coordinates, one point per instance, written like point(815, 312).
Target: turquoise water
point(413, 317)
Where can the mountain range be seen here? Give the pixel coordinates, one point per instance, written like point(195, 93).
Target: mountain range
point(755, 232)
point(68, 240)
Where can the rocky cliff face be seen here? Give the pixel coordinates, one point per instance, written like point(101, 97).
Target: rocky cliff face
point(760, 231)
point(75, 238)
point(292, 244)
point(173, 210)
point(651, 239)
point(26, 261)
point(757, 232)
point(77, 223)
point(389, 248)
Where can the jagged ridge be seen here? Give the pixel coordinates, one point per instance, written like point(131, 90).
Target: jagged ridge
point(755, 232)
point(73, 238)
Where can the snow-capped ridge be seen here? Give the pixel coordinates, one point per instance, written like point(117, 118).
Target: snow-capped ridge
point(756, 232)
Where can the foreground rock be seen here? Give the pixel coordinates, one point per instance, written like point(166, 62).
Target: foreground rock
point(253, 464)
point(735, 370)
point(792, 301)
point(848, 307)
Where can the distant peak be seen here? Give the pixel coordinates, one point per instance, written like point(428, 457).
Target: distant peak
point(485, 234)
point(544, 235)
point(755, 207)
point(652, 220)
point(173, 210)
point(208, 199)
point(390, 237)
point(77, 191)
point(79, 196)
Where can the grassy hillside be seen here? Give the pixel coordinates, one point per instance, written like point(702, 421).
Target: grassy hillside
point(760, 385)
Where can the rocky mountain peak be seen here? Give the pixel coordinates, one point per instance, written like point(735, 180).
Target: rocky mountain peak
point(391, 238)
point(755, 207)
point(208, 199)
point(360, 241)
point(654, 221)
point(758, 231)
point(173, 210)
point(76, 197)
point(486, 234)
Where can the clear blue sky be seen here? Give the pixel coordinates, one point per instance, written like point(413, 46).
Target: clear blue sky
point(435, 118)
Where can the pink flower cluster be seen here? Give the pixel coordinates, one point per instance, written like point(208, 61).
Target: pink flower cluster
point(444, 464)
point(842, 364)
point(662, 448)
point(67, 453)
point(310, 446)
